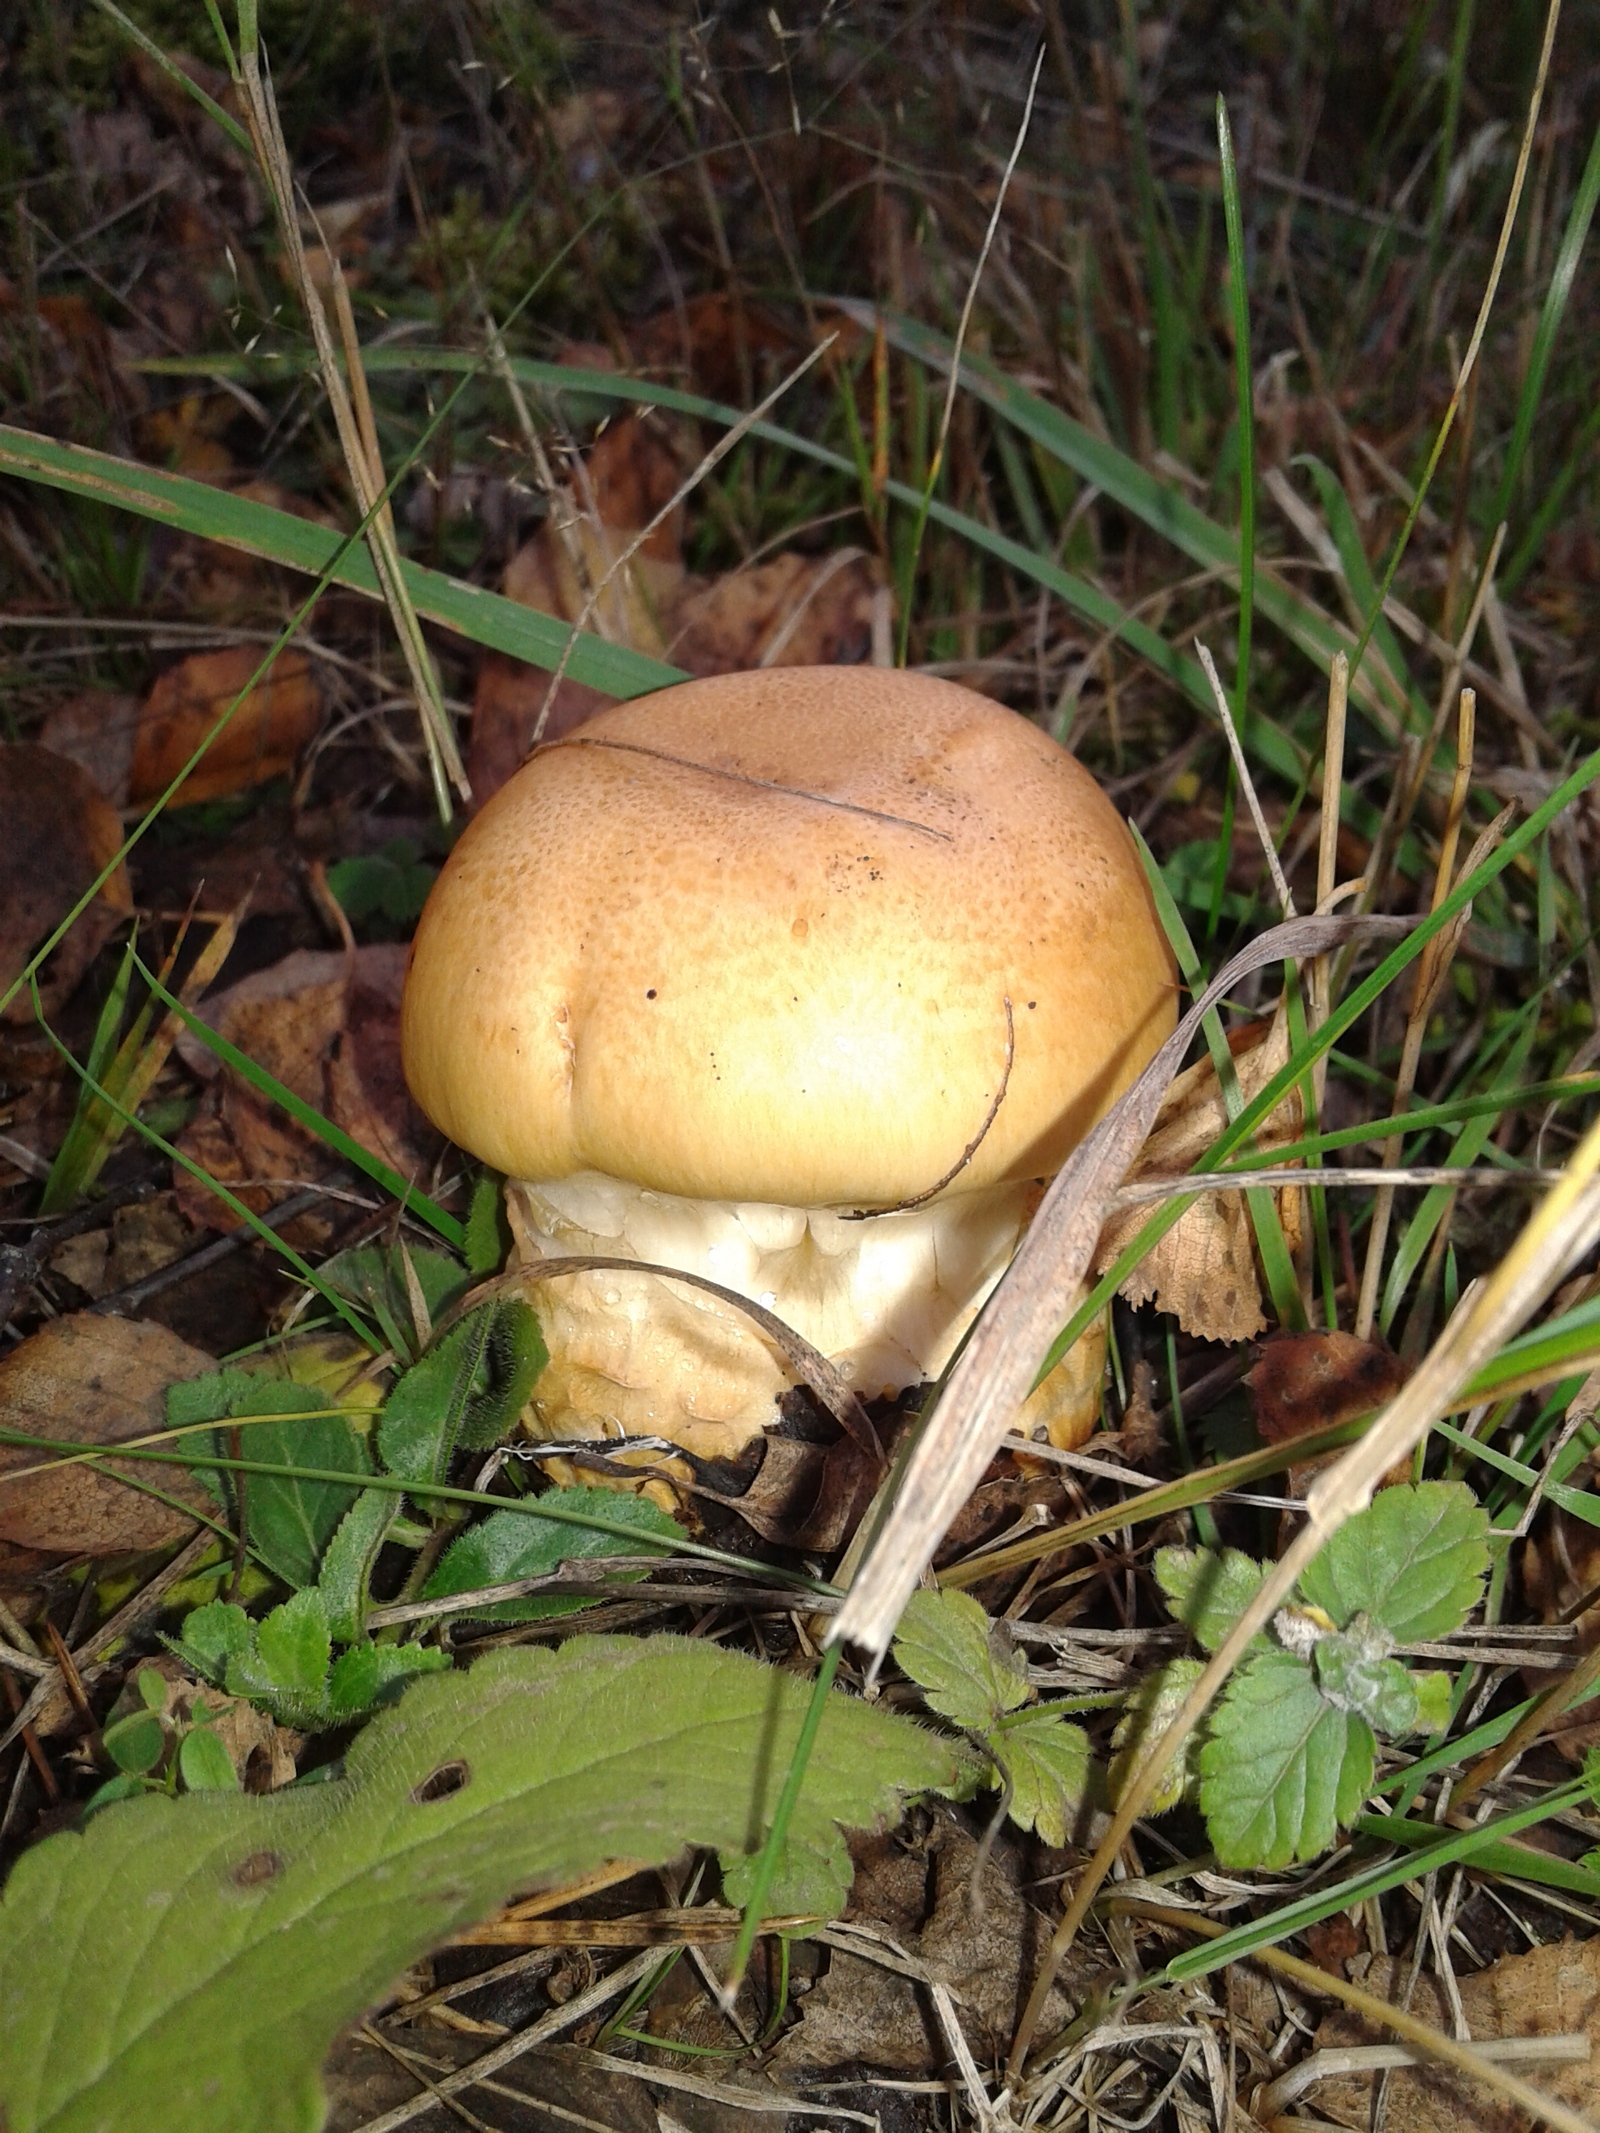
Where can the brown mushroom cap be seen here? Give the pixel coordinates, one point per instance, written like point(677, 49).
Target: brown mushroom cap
point(753, 938)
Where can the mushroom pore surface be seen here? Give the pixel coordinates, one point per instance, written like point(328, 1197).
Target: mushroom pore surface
point(756, 952)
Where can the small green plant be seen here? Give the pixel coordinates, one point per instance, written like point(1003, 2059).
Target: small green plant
point(384, 891)
point(285, 1661)
point(970, 1674)
point(1288, 1754)
point(158, 1749)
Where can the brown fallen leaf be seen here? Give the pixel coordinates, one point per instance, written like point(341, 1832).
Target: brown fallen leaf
point(57, 831)
point(327, 1026)
point(1307, 1381)
point(261, 740)
point(1204, 1268)
point(1551, 1991)
point(89, 1380)
point(96, 728)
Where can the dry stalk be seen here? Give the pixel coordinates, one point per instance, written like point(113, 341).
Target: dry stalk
point(357, 431)
point(1559, 1232)
point(1236, 748)
point(1471, 2059)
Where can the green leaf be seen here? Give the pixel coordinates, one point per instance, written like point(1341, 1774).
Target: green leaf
point(1355, 1673)
point(948, 1646)
point(204, 1764)
point(468, 1389)
point(152, 1688)
point(212, 1635)
point(289, 1521)
point(1154, 1704)
point(1414, 1560)
point(1207, 1591)
point(372, 1674)
point(293, 1645)
point(136, 1743)
point(1048, 1760)
point(373, 1278)
point(1282, 1768)
point(512, 1544)
point(488, 1238)
point(1432, 1691)
point(250, 1930)
point(347, 1561)
point(392, 884)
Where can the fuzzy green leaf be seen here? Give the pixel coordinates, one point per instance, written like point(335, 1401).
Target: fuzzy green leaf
point(1414, 1560)
point(1432, 1691)
point(1282, 1767)
point(1048, 1761)
point(204, 1763)
point(1154, 1704)
point(950, 1648)
point(468, 1389)
point(1207, 1591)
point(371, 1674)
point(348, 1559)
point(250, 1930)
point(1355, 1672)
point(373, 1278)
point(513, 1544)
point(212, 1635)
point(136, 1743)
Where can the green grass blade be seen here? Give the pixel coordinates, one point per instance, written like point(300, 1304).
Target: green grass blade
point(71, 1168)
point(1544, 339)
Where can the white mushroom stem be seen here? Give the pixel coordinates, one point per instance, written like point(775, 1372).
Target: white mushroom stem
point(886, 1298)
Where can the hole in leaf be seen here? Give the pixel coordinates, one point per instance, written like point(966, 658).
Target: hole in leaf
point(441, 1783)
point(259, 1867)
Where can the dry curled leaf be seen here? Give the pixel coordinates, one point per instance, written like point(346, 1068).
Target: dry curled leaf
point(57, 831)
point(262, 739)
point(327, 1026)
point(90, 1380)
point(1204, 1269)
point(1307, 1381)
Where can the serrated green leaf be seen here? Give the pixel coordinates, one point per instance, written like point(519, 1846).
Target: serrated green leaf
point(468, 1389)
point(1281, 1768)
point(946, 1643)
point(372, 1674)
point(1356, 1675)
point(1206, 1590)
point(293, 1642)
point(1150, 1710)
point(204, 1764)
point(289, 1522)
point(136, 1743)
point(373, 1278)
point(488, 1238)
point(212, 1634)
point(347, 1561)
point(512, 1544)
point(250, 1930)
point(1414, 1560)
point(1048, 1761)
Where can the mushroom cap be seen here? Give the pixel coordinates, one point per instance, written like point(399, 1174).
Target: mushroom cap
point(770, 937)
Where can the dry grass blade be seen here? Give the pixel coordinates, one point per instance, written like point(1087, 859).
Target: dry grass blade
point(1466, 2058)
point(1555, 1237)
point(998, 1366)
point(1269, 851)
point(357, 432)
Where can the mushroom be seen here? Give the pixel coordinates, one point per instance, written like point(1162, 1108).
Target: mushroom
point(800, 980)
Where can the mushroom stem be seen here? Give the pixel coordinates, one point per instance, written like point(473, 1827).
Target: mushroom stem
point(886, 1298)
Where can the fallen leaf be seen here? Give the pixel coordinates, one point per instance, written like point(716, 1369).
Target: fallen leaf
point(1551, 1991)
point(57, 831)
point(89, 1380)
point(327, 1026)
point(794, 611)
point(96, 728)
point(1307, 1381)
point(1204, 1268)
point(262, 739)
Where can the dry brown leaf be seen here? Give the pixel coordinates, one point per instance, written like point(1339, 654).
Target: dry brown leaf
point(794, 611)
point(57, 831)
point(1552, 1991)
point(262, 739)
point(1204, 1268)
point(1307, 1381)
point(96, 728)
point(327, 1026)
point(89, 1380)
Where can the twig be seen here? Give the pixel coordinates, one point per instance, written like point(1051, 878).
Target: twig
point(1269, 849)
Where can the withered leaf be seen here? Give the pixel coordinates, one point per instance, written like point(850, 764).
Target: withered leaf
point(1309, 1381)
point(57, 831)
point(262, 739)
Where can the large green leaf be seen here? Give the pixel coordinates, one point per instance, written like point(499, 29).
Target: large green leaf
point(289, 1521)
point(1282, 1768)
point(510, 1544)
point(1414, 1560)
point(187, 1962)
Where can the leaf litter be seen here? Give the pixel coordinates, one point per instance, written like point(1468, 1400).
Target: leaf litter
point(325, 774)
